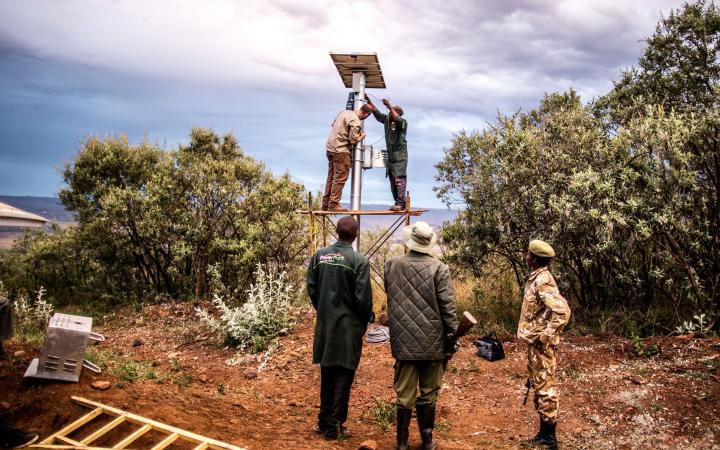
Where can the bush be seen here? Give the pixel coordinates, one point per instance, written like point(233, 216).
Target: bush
point(261, 319)
point(151, 221)
point(31, 315)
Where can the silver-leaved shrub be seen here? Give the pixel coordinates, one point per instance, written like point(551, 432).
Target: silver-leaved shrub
point(263, 317)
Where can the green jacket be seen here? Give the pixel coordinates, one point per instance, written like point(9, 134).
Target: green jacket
point(395, 139)
point(338, 283)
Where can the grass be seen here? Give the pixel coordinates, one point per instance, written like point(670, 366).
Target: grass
point(494, 299)
point(127, 370)
point(382, 414)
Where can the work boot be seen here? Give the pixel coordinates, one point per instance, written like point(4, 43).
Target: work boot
point(545, 438)
point(336, 432)
point(337, 209)
point(397, 208)
point(403, 424)
point(13, 438)
point(426, 424)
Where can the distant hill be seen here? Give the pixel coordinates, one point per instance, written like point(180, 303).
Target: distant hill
point(52, 209)
point(47, 207)
point(435, 216)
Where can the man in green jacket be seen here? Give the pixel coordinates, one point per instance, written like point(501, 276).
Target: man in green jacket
point(395, 140)
point(338, 283)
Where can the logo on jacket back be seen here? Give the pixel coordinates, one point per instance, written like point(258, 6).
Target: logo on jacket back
point(332, 258)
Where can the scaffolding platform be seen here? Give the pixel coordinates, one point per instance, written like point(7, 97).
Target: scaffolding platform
point(321, 226)
point(367, 212)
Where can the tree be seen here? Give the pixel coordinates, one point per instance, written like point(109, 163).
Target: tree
point(161, 219)
point(680, 67)
point(625, 210)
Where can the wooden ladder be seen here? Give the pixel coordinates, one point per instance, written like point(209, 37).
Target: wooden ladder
point(60, 440)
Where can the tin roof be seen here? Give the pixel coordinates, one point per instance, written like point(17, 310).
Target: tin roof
point(13, 217)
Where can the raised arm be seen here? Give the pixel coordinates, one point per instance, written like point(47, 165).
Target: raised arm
point(380, 117)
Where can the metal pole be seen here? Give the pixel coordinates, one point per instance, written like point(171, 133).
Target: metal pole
point(357, 161)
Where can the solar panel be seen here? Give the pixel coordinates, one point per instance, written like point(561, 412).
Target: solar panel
point(368, 63)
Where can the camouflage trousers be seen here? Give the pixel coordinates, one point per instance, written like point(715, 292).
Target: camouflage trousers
point(541, 374)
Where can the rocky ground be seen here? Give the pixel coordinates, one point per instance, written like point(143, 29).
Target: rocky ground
point(162, 364)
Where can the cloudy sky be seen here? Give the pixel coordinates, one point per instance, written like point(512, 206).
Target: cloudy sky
point(261, 70)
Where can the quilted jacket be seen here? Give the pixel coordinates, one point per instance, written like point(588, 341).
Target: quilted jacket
point(421, 306)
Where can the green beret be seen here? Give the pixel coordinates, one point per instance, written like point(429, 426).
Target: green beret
point(542, 249)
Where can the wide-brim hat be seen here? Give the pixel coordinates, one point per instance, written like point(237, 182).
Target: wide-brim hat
point(419, 237)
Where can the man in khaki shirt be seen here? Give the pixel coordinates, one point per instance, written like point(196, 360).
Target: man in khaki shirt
point(544, 314)
point(346, 131)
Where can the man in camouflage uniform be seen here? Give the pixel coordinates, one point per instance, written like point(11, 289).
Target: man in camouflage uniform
point(543, 316)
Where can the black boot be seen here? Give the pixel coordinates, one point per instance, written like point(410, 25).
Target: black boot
point(545, 438)
point(426, 424)
point(403, 424)
point(14, 438)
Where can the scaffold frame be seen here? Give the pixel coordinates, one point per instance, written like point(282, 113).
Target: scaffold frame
point(321, 225)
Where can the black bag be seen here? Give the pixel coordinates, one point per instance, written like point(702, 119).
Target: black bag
point(489, 347)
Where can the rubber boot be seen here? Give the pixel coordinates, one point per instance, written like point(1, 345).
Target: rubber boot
point(403, 427)
point(426, 424)
point(545, 438)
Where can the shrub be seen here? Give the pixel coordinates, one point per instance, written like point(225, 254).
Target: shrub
point(262, 318)
point(31, 314)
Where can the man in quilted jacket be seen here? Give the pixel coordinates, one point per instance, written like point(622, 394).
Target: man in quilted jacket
point(543, 316)
point(338, 283)
point(421, 314)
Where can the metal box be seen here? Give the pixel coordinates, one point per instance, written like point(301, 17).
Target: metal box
point(374, 157)
point(63, 352)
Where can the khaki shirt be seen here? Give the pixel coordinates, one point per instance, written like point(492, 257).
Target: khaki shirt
point(347, 125)
point(544, 311)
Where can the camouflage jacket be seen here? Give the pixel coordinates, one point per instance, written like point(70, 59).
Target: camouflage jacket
point(544, 311)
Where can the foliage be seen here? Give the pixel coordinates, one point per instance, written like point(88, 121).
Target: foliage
point(701, 323)
point(641, 349)
point(63, 260)
point(680, 68)
point(627, 211)
point(31, 315)
point(384, 413)
point(262, 318)
point(152, 221)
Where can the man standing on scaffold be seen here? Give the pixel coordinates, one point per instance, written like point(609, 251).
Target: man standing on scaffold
point(395, 132)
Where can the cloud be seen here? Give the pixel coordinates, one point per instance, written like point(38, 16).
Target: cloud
point(260, 68)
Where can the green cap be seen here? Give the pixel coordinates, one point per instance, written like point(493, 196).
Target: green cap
point(541, 248)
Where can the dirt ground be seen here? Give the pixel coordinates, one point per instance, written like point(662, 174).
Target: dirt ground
point(163, 365)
